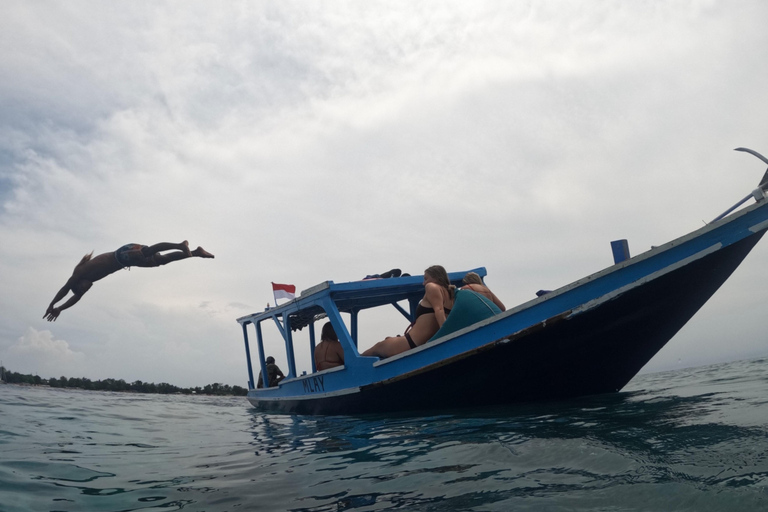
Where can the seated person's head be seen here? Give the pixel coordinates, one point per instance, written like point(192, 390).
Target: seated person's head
point(472, 278)
point(437, 274)
point(328, 334)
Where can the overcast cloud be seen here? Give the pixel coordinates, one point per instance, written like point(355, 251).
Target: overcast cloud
point(309, 141)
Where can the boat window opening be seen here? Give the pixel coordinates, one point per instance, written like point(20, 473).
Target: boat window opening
point(407, 314)
point(272, 345)
point(300, 349)
point(375, 324)
point(293, 350)
point(345, 335)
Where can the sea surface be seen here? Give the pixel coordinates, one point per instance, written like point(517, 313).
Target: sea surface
point(694, 439)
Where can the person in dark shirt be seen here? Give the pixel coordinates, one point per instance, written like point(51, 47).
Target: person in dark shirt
point(274, 375)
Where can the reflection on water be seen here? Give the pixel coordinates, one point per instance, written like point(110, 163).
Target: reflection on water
point(686, 440)
point(650, 442)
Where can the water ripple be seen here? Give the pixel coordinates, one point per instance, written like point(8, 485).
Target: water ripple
point(688, 440)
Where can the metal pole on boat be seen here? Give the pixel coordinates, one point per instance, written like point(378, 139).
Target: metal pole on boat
point(758, 193)
point(262, 357)
point(758, 155)
point(289, 348)
point(248, 356)
point(353, 327)
point(312, 345)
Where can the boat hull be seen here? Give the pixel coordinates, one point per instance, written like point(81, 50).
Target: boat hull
point(574, 353)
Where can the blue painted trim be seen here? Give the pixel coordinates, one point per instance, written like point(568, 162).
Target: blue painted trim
point(405, 313)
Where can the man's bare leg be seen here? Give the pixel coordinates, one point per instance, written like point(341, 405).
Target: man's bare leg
point(202, 253)
point(163, 259)
point(167, 246)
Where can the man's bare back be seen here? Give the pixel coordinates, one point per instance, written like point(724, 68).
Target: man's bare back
point(96, 268)
point(328, 353)
point(91, 269)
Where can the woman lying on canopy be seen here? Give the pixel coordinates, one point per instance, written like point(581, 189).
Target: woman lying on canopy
point(431, 312)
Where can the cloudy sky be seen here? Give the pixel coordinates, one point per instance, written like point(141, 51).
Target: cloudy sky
point(309, 141)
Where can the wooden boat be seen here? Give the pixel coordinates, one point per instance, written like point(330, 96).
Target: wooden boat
point(591, 336)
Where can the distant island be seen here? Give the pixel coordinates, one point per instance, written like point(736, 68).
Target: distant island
point(119, 385)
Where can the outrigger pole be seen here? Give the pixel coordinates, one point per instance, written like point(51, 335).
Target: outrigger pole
point(758, 193)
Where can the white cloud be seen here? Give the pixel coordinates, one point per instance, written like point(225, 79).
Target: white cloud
point(40, 353)
point(41, 344)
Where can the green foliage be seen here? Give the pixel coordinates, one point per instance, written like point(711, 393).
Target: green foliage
point(120, 385)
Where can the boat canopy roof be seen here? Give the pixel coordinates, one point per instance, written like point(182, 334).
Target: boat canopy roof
point(350, 297)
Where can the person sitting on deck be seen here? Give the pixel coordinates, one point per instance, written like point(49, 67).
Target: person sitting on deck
point(274, 375)
point(431, 312)
point(91, 269)
point(329, 352)
point(473, 282)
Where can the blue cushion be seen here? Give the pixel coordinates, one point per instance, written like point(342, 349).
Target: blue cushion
point(468, 308)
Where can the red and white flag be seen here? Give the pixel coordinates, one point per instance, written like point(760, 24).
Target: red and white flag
point(283, 291)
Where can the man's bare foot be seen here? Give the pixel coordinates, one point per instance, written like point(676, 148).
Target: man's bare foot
point(202, 253)
point(185, 249)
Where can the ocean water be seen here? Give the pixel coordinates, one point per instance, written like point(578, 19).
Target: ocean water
point(694, 439)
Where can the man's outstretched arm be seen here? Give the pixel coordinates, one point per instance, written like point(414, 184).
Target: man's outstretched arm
point(59, 295)
point(79, 290)
point(53, 313)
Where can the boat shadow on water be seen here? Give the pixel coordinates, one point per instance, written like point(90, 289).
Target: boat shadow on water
point(630, 420)
point(554, 450)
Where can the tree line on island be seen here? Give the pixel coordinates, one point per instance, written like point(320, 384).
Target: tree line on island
point(119, 385)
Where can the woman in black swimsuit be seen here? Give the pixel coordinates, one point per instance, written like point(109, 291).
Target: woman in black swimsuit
point(430, 315)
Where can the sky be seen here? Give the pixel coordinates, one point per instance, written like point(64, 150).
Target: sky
point(301, 142)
